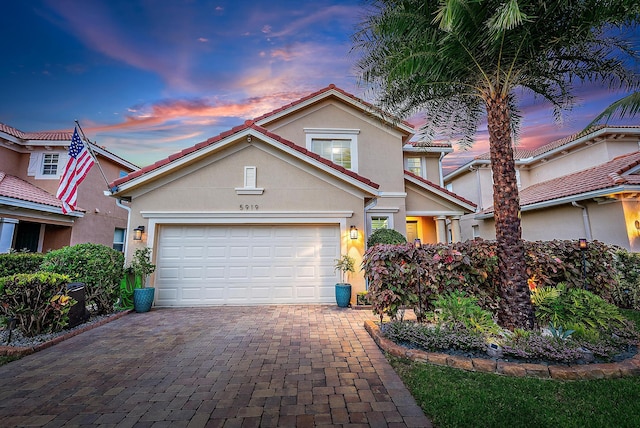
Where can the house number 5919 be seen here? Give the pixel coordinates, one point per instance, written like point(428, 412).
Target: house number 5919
point(248, 207)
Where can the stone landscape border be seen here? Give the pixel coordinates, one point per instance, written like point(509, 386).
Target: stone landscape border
point(628, 367)
point(21, 351)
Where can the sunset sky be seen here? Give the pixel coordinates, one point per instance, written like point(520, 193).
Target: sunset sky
point(148, 78)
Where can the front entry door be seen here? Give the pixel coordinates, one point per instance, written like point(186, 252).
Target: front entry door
point(412, 231)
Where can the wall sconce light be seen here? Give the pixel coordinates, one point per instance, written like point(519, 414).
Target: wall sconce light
point(637, 224)
point(417, 243)
point(582, 243)
point(353, 232)
point(137, 233)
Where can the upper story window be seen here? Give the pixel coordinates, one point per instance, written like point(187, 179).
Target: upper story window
point(340, 146)
point(46, 165)
point(414, 165)
point(50, 164)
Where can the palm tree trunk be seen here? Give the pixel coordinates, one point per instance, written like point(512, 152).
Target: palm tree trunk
point(516, 310)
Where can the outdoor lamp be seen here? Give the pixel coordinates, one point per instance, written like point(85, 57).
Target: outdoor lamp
point(417, 243)
point(582, 242)
point(353, 232)
point(137, 233)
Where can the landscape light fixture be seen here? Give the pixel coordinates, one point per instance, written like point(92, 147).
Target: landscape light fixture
point(137, 233)
point(582, 244)
point(417, 243)
point(353, 232)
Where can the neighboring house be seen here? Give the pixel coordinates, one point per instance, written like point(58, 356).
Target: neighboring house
point(583, 186)
point(31, 216)
point(260, 213)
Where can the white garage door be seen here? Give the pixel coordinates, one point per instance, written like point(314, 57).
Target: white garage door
point(246, 265)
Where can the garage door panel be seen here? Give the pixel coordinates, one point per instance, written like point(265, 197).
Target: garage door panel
point(240, 264)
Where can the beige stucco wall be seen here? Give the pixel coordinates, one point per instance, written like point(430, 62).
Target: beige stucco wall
point(579, 159)
point(290, 186)
point(379, 146)
point(466, 185)
point(607, 222)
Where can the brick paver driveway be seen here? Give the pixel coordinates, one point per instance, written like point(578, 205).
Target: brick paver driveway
point(218, 366)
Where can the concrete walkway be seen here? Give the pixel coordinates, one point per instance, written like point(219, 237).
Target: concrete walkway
point(269, 366)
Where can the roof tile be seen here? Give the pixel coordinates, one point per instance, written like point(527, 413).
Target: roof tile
point(17, 188)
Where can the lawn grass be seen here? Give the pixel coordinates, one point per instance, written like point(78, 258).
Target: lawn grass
point(457, 398)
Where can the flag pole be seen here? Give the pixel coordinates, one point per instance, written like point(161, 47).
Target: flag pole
point(84, 137)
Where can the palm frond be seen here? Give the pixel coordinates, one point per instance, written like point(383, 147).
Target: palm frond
point(628, 106)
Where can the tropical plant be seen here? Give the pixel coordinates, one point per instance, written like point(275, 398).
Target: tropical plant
point(564, 306)
point(458, 59)
point(141, 264)
point(628, 106)
point(38, 302)
point(345, 265)
point(385, 236)
point(456, 308)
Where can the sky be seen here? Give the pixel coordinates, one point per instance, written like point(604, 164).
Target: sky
point(147, 78)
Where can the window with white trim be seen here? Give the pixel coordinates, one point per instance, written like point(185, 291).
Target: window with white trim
point(50, 164)
point(118, 239)
point(379, 222)
point(340, 146)
point(414, 165)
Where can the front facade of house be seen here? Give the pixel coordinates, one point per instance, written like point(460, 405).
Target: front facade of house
point(259, 214)
point(31, 216)
point(582, 186)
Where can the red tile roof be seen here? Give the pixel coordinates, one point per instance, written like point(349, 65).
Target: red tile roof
point(16, 188)
point(609, 175)
point(325, 90)
point(604, 176)
point(44, 135)
point(249, 124)
point(439, 188)
point(430, 144)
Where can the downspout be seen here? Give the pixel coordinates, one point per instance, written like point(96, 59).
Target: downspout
point(442, 155)
point(585, 219)
point(126, 237)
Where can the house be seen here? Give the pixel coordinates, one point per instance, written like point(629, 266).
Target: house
point(582, 186)
point(260, 213)
point(31, 216)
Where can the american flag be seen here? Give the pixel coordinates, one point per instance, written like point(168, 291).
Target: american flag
point(79, 164)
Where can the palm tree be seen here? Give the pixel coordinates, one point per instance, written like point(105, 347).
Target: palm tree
point(457, 60)
point(628, 106)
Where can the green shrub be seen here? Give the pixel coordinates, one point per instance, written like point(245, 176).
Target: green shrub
point(38, 302)
point(99, 267)
point(12, 263)
point(573, 307)
point(626, 292)
point(456, 308)
point(385, 236)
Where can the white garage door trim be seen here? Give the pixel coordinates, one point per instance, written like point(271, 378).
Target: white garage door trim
point(246, 264)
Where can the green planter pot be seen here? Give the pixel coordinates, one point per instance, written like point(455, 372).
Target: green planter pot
point(143, 299)
point(343, 295)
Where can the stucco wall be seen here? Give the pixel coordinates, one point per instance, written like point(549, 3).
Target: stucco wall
point(208, 187)
point(607, 223)
point(378, 145)
point(10, 161)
